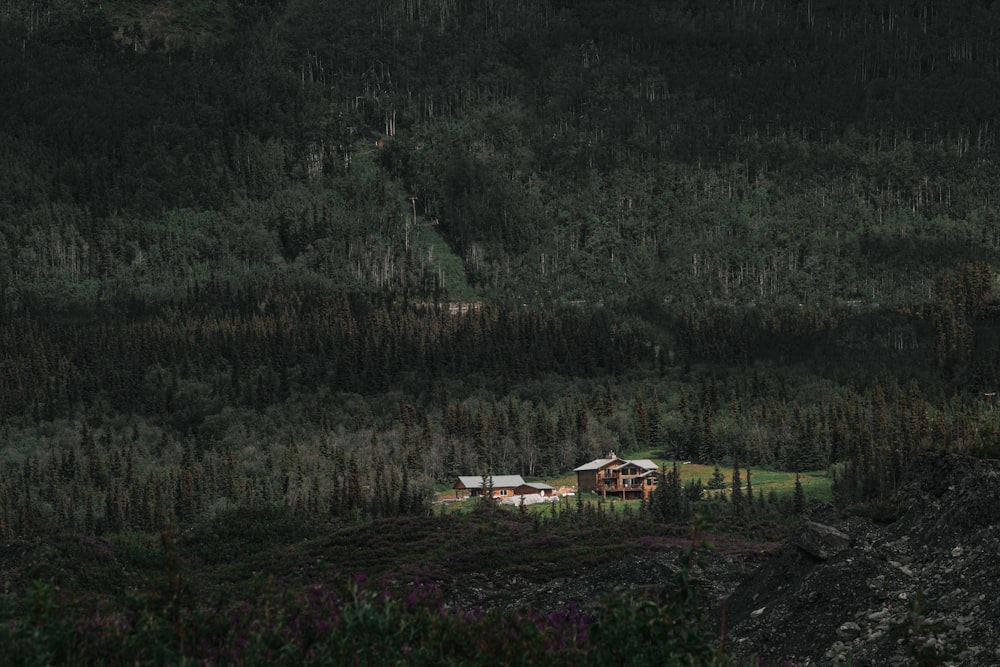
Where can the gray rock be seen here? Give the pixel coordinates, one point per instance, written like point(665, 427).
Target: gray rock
point(820, 540)
point(848, 631)
point(930, 575)
point(879, 615)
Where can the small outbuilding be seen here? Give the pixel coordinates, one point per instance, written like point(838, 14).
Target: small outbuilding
point(504, 486)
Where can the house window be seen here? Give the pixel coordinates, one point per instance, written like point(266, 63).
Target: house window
point(504, 492)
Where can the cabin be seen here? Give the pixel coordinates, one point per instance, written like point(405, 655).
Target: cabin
point(618, 477)
point(504, 486)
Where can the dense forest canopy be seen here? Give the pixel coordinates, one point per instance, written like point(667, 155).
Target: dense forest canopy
point(724, 151)
point(323, 255)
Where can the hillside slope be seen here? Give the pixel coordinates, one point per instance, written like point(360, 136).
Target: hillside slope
point(924, 585)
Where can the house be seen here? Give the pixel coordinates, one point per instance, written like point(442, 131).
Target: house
point(503, 486)
point(616, 476)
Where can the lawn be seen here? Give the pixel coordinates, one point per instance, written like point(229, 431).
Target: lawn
point(816, 484)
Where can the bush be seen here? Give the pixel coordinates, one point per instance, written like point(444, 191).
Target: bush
point(367, 625)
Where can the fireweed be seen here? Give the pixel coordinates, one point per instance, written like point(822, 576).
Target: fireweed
point(368, 623)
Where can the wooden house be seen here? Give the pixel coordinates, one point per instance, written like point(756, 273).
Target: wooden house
point(503, 486)
point(615, 476)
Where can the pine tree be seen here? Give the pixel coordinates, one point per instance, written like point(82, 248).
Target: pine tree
point(487, 486)
point(799, 501)
point(718, 480)
point(694, 490)
point(706, 443)
point(668, 502)
point(642, 420)
point(677, 502)
point(737, 495)
point(404, 493)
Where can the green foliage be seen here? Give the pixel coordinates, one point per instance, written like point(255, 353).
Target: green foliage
point(922, 640)
point(541, 153)
point(736, 496)
point(668, 502)
point(192, 610)
point(881, 511)
point(799, 499)
point(364, 626)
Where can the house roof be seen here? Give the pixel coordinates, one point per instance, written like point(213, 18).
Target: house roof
point(596, 464)
point(645, 464)
point(499, 481)
point(539, 485)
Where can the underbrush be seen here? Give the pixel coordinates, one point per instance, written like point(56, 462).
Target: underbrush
point(362, 623)
point(881, 511)
point(254, 588)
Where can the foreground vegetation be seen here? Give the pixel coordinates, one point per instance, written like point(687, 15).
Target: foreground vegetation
point(257, 587)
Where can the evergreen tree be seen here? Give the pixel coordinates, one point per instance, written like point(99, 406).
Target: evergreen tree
point(718, 480)
point(694, 490)
point(668, 502)
point(488, 490)
point(737, 497)
point(799, 499)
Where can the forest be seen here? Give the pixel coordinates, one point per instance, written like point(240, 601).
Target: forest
point(325, 257)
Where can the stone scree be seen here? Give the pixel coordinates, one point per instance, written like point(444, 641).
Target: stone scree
point(845, 590)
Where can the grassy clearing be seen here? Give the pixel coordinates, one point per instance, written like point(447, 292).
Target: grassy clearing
point(816, 484)
point(440, 255)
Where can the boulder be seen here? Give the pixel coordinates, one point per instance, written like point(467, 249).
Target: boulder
point(820, 540)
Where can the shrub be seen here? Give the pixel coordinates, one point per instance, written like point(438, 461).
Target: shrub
point(370, 624)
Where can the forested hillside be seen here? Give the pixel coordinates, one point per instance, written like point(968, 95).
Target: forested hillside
point(722, 152)
point(325, 254)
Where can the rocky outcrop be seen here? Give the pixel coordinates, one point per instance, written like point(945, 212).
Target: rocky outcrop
point(821, 541)
point(848, 591)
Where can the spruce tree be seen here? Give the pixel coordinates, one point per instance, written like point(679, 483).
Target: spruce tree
point(676, 501)
point(718, 480)
point(799, 501)
point(737, 496)
point(487, 486)
point(404, 493)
